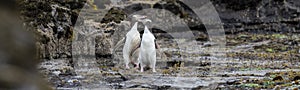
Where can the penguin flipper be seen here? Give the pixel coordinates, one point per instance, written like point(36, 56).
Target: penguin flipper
point(118, 45)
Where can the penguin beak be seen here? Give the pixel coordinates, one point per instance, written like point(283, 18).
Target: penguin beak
point(148, 20)
point(144, 17)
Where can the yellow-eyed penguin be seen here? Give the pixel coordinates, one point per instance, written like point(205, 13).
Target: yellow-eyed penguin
point(131, 48)
point(131, 43)
point(147, 56)
point(133, 56)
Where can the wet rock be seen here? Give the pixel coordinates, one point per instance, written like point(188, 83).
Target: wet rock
point(162, 82)
point(101, 4)
point(255, 16)
point(177, 9)
point(183, 11)
point(114, 77)
point(209, 44)
point(104, 46)
point(114, 14)
point(52, 22)
point(296, 78)
point(278, 78)
point(59, 73)
point(237, 5)
point(230, 82)
point(136, 7)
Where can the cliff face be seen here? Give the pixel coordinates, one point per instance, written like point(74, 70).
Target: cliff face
point(53, 20)
point(259, 16)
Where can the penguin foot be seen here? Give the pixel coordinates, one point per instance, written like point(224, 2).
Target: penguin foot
point(142, 69)
point(136, 66)
point(127, 67)
point(153, 70)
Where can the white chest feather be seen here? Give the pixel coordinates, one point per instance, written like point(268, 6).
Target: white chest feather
point(132, 41)
point(147, 50)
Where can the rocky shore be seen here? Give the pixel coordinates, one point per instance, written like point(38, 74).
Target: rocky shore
point(262, 44)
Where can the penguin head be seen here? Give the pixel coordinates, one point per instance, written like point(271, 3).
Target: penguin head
point(146, 22)
point(138, 17)
point(141, 18)
point(146, 30)
point(135, 25)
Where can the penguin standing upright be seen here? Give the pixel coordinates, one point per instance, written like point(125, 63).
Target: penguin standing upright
point(147, 56)
point(131, 43)
point(131, 49)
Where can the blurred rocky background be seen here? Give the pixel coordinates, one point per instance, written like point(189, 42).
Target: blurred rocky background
point(260, 35)
point(18, 60)
point(54, 20)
